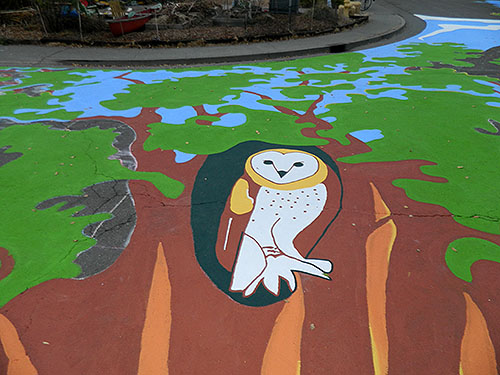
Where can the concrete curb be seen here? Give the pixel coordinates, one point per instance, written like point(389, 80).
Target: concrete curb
point(256, 51)
point(380, 26)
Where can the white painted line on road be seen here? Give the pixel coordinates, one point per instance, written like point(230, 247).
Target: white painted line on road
point(446, 28)
point(434, 18)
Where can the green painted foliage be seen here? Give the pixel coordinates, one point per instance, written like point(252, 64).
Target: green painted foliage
point(54, 163)
point(432, 121)
point(52, 79)
point(12, 102)
point(437, 127)
point(423, 55)
point(430, 79)
point(265, 126)
point(190, 91)
point(301, 92)
point(13, 99)
point(464, 252)
point(326, 78)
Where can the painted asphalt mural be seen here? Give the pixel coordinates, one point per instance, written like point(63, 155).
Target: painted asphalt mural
point(327, 215)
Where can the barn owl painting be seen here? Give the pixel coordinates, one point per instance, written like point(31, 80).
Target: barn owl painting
point(290, 197)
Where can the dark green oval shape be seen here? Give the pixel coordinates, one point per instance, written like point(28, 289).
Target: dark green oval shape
point(211, 190)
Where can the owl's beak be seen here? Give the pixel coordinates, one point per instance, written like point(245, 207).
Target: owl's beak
point(282, 173)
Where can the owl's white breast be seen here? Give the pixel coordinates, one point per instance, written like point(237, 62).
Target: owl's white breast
point(294, 208)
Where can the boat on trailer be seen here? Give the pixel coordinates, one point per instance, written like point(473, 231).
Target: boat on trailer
point(124, 25)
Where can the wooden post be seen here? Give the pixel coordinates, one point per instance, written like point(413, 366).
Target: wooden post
point(41, 19)
point(156, 22)
point(290, 16)
point(312, 14)
point(79, 18)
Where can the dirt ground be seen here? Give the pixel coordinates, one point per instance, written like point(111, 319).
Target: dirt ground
point(199, 23)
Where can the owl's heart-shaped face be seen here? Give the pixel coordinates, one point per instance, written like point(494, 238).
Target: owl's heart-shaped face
point(284, 168)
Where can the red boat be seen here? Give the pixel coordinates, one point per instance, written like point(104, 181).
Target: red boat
point(127, 24)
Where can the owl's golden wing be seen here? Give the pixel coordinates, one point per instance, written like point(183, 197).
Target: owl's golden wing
point(240, 201)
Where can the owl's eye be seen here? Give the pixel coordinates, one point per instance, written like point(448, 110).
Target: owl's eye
point(268, 162)
point(298, 164)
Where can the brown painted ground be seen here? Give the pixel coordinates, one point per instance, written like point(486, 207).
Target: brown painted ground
point(94, 326)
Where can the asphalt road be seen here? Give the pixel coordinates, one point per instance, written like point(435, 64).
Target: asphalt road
point(447, 8)
point(335, 214)
point(408, 9)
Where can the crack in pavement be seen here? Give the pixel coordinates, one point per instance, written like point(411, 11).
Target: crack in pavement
point(112, 235)
point(113, 196)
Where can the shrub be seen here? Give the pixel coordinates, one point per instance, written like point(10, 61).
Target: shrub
point(57, 16)
point(14, 4)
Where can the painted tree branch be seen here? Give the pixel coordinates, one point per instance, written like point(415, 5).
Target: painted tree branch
point(309, 116)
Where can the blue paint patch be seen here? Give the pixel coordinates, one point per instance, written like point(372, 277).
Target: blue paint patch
point(157, 76)
point(176, 116)
point(394, 94)
point(32, 121)
point(35, 111)
point(182, 157)
point(481, 34)
point(230, 120)
point(329, 119)
point(90, 95)
point(495, 3)
point(320, 109)
point(87, 95)
point(367, 135)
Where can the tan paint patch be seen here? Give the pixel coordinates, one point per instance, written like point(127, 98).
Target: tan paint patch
point(155, 340)
point(19, 362)
point(378, 251)
point(381, 209)
point(241, 203)
point(477, 351)
point(282, 354)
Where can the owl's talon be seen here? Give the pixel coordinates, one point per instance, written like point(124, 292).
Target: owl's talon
point(281, 267)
